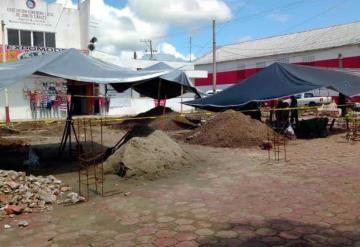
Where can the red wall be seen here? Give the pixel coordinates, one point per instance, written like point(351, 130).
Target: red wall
point(231, 77)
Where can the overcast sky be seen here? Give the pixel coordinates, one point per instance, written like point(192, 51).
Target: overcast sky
point(121, 24)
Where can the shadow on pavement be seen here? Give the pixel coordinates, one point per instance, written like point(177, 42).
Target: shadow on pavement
point(278, 232)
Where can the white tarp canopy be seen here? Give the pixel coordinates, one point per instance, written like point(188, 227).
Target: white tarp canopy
point(73, 65)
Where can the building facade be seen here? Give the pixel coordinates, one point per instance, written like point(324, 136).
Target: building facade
point(35, 27)
point(32, 28)
point(336, 46)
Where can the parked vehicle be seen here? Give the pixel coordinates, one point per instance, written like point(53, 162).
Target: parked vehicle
point(308, 99)
point(211, 92)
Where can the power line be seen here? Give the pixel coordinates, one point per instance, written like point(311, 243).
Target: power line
point(308, 19)
point(247, 17)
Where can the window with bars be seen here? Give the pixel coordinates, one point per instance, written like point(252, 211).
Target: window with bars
point(31, 38)
point(283, 60)
point(308, 59)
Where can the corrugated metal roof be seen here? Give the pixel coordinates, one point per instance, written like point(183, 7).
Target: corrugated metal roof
point(316, 39)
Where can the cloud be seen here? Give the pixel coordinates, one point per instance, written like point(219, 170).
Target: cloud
point(169, 49)
point(67, 4)
point(181, 12)
point(120, 29)
point(245, 38)
point(278, 17)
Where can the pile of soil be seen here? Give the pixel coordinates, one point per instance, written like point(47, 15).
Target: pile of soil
point(156, 111)
point(172, 122)
point(147, 153)
point(166, 119)
point(230, 129)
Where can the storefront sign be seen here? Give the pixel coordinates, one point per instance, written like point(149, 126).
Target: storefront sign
point(15, 52)
point(29, 16)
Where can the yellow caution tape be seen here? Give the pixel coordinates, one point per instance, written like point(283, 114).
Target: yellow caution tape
point(107, 119)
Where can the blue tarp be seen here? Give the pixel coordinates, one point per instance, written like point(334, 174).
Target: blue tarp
point(281, 80)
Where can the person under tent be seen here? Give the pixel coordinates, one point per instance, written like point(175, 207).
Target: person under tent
point(294, 113)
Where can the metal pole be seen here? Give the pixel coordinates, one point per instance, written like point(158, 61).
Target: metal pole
point(214, 57)
point(7, 111)
point(151, 50)
point(3, 41)
point(181, 105)
point(340, 61)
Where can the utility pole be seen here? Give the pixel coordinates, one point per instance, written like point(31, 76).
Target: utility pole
point(340, 59)
point(214, 58)
point(190, 50)
point(151, 48)
point(7, 112)
point(3, 41)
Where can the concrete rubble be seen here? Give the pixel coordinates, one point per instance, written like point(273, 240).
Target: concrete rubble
point(25, 194)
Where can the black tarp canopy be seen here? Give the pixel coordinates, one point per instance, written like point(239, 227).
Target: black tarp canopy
point(281, 80)
point(172, 83)
point(73, 65)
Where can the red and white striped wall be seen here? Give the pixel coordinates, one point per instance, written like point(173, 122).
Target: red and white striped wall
point(231, 72)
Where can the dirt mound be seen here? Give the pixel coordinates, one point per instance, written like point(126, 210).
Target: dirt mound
point(172, 121)
point(156, 111)
point(148, 153)
point(230, 129)
point(164, 119)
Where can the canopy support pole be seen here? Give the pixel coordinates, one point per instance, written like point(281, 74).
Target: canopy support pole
point(68, 130)
point(7, 111)
point(159, 91)
point(181, 105)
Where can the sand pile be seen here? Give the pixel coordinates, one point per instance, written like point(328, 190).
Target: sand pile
point(148, 153)
point(230, 129)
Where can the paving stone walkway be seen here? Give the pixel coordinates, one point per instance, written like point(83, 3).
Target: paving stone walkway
point(235, 198)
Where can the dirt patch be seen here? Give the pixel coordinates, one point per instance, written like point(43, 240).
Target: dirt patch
point(5, 131)
point(10, 144)
point(148, 153)
point(55, 128)
point(230, 129)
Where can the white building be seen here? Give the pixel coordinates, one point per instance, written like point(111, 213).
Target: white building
point(335, 46)
point(35, 27)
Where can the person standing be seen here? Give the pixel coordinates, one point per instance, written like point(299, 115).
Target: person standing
point(56, 106)
point(294, 114)
point(342, 104)
point(33, 104)
point(102, 105)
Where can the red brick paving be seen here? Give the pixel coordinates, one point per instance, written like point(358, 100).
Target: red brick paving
point(236, 198)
